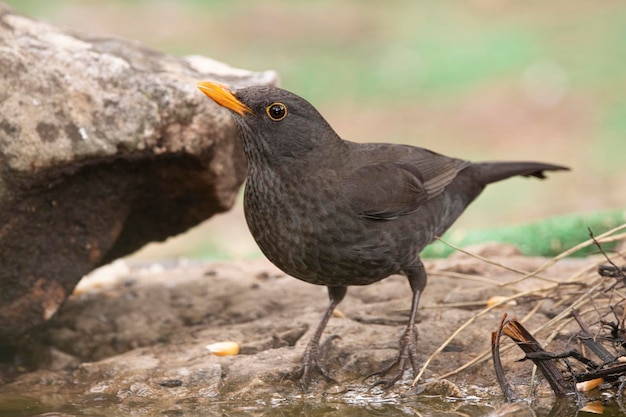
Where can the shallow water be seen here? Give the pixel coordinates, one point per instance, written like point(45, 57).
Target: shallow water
point(22, 407)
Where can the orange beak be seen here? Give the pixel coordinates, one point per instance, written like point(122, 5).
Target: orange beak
point(224, 97)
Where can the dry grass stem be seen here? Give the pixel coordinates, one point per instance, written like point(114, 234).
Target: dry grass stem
point(584, 291)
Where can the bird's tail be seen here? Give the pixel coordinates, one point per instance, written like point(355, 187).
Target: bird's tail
point(489, 172)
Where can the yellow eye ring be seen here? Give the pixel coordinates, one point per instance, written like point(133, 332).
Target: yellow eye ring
point(276, 111)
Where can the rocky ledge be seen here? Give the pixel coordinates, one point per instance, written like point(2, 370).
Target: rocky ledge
point(134, 336)
point(105, 145)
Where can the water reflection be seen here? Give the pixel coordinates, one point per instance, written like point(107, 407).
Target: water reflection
point(426, 407)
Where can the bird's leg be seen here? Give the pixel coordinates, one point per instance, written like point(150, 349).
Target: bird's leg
point(408, 341)
point(310, 360)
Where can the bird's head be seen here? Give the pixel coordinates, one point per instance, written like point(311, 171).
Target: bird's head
point(273, 123)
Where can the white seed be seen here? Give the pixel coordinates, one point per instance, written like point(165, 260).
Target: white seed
point(588, 385)
point(497, 299)
point(338, 314)
point(224, 348)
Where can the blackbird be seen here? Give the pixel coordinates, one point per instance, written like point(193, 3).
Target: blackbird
point(337, 213)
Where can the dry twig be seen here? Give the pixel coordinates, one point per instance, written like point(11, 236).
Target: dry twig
point(573, 293)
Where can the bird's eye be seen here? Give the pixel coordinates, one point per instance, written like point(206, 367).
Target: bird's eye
point(276, 111)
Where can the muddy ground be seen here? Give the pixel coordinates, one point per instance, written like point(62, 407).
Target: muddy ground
point(135, 335)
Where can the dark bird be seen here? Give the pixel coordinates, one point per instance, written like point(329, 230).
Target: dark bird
point(337, 213)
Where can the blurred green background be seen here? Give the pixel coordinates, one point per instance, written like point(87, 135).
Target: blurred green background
point(482, 79)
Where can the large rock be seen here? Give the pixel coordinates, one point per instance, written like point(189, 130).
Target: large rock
point(105, 145)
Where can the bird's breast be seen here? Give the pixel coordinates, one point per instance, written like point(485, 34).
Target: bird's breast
point(307, 228)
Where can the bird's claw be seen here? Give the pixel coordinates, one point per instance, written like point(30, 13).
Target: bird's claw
point(398, 369)
point(311, 363)
point(303, 374)
point(395, 370)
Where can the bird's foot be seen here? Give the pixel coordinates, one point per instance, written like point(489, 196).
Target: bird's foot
point(394, 371)
point(311, 363)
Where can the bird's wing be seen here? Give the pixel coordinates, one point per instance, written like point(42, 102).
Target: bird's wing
point(436, 171)
point(387, 190)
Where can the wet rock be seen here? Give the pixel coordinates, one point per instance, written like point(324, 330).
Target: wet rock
point(442, 388)
point(159, 359)
point(105, 145)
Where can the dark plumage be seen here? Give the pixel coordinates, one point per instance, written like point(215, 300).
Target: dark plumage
point(338, 213)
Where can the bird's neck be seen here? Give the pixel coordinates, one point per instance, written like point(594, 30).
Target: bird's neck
point(269, 170)
point(264, 155)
